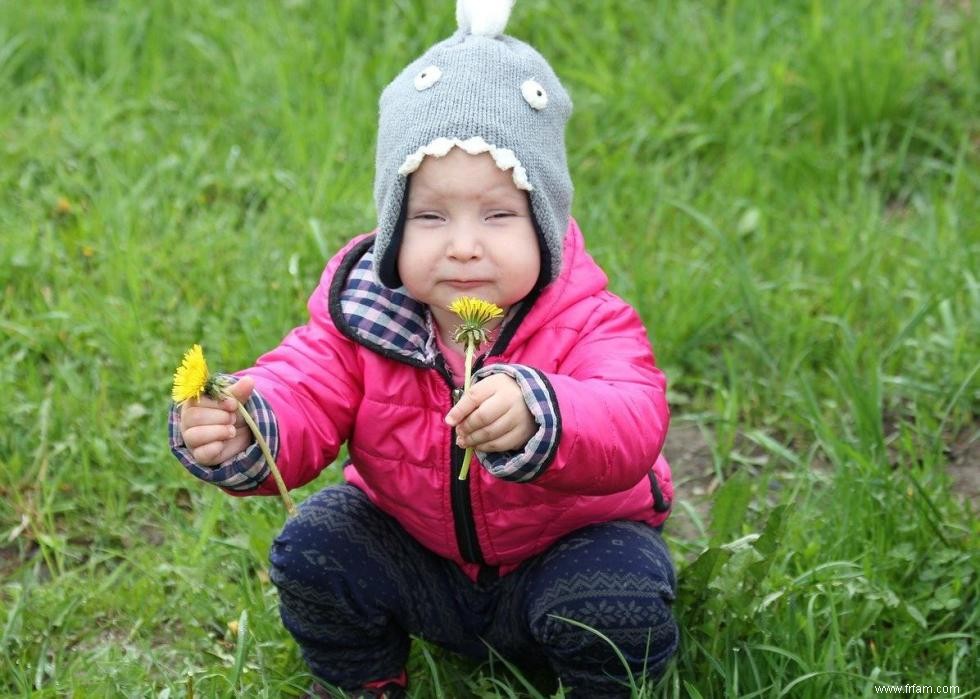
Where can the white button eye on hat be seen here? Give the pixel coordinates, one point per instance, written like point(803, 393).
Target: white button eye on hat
point(534, 94)
point(427, 78)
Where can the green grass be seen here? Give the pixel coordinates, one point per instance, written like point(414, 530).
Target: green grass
point(788, 192)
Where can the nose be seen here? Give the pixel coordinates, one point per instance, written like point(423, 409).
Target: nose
point(464, 245)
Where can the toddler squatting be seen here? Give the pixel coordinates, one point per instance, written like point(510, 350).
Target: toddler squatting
point(560, 516)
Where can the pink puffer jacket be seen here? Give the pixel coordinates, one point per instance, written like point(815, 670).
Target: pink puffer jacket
point(364, 370)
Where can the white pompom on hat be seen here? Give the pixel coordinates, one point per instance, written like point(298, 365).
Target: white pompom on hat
point(483, 17)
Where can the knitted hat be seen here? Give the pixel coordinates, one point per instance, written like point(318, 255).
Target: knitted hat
point(485, 93)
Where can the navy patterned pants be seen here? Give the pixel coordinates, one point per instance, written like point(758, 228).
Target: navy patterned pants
point(353, 585)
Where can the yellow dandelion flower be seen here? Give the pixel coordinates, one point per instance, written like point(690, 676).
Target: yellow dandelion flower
point(191, 377)
point(192, 380)
point(62, 207)
point(475, 314)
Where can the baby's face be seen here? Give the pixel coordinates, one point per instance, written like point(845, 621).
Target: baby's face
point(468, 232)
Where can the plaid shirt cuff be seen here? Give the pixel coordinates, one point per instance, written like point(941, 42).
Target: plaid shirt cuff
point(244, 471)
point(524, 465)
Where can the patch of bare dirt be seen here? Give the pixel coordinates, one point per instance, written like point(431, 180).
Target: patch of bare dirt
point(689, 455)
point(964, 467)
point(10, 560)
point(689, 451)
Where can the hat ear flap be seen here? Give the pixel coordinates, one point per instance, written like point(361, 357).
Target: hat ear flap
point(544, 251)
point(387, 265)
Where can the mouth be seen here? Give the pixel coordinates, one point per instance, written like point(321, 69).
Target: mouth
point(466, 283)
point(504, 158)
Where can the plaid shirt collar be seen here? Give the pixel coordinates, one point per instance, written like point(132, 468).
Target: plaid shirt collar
point(387, 320)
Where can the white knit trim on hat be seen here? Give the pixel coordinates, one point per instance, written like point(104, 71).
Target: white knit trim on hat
point(503, 157)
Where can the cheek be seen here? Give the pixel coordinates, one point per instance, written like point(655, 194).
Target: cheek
point(414, 260)
point(530, 253)
point(522, 259)
point(527, 274)
point(408, 267)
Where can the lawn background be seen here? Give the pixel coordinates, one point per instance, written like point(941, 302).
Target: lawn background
point(787, 192)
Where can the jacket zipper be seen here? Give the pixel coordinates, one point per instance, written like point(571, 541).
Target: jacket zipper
point(459, 491)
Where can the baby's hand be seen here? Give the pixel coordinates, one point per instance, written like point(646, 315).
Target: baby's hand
point(492, 416)
point(214, 431)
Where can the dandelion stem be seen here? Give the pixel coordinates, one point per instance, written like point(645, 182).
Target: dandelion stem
point(286, 499)
point(468, 454)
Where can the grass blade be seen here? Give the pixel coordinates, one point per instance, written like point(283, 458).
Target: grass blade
point(241, 648)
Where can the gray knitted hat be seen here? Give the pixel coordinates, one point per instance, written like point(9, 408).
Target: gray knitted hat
point(482, 92)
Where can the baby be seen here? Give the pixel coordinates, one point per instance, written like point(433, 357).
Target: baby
point(559, 520)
